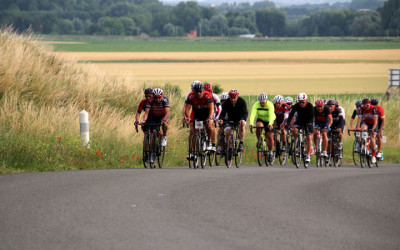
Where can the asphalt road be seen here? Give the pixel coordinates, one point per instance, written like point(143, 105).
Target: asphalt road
point(214, 208)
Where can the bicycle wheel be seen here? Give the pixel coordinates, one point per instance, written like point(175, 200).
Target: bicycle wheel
point(318, 151)
point(146, 154)
point(260, 151)
point(229, 151)
point(160, 153)
point(238, 157)
point(220, 149)
point(356, 154)
point(291, 151)
point(152, 150)
point(211, 158)
point(363, 157)
point(329, 153)
point(203, 152)
point(283, 156)
point(196, 153)
point(297, 152)
point(304, 153)
point(266, 153)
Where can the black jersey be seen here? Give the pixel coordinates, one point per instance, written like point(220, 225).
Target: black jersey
point(235, 112)
point(304, 115)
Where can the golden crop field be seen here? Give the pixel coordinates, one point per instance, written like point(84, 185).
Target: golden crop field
point(275, 72)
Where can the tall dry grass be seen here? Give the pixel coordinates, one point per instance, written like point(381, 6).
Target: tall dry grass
point(41, 96)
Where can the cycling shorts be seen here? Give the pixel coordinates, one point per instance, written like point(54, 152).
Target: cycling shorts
point(201, 114)
point(265, 124)
point(229, 125)
point(321, 125)
point(307, 127)
point(368, 125)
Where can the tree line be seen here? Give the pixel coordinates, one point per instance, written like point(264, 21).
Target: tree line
point(135, 17)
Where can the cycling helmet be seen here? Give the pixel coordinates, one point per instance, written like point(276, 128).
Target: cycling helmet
point(358, 103)
point(198, 87)
point(374, 101)
point(331, 102)
point(337, 104)
point(319, 102)
point(158, 92)
point(233, 93)
point(289, 99)
point(224, 96)
point(148, 91)
point(208, 87)
point(324, 101)
point(301, 97)
point(262, 97)
point(194, 83)
point(278, 99)
point(366, 101)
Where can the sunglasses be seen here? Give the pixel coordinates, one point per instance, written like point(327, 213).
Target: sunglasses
point(147, 96)
point(302, 102)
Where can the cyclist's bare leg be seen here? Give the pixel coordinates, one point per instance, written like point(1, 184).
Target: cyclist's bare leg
point(324, 140)
point(315, 135)
point(270, 141)
point(283, 135)
point(294, 132)
point(242, 132)
point(309, 143)
point(259, 130)
point(210, 129)
point(379, 141)
point(165, 129)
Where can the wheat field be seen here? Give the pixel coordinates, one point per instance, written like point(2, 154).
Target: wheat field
point(274, 72)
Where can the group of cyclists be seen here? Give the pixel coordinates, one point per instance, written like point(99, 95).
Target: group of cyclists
point(281, 115)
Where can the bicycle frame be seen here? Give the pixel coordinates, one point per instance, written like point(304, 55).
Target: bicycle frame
point(231, 146)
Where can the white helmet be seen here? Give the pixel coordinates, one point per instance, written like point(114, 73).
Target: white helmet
point(262, 97)
point(301, 97)
point(278, 99)
point(289, 99)
point(224, 96)
point(158, 92)
point(194, 83)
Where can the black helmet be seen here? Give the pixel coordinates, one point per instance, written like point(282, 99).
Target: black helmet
point(148, 91)
point(198, 87)
point(358, 103)
point(366, 101)
point(374, 101)
point(331, 102)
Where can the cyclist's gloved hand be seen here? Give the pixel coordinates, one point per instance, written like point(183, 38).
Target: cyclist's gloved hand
point(329, 129)
point(136, 123)
point(282, 126)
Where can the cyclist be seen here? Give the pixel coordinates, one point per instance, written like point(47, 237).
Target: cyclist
point(341, 111)
point(281, 113)
point(289, 102)
point(381, 125)
point(217, 102)
point(236, 110)
point(322, 120)
point(356, 111)
point(157, 110)
point(202, 104)
point(305, 118)
point(148, 93)
point(338, 122)
point(265, 113)
point(368, 120)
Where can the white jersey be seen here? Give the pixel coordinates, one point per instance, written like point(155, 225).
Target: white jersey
point(343, 113)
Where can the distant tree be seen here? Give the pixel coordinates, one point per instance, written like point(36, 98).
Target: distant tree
point(271, 22)
point(187, 15)
point(366, 24)
point(366, 4)
point(169, 29)
point(235, 31)
point(262, 5)
point(390, 15)
point(219, 25)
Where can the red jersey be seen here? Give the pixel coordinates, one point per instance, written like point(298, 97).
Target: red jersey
point(281, 112)
point(158, 109)
point(199, 104)
point(368, 115)
point(142, 105)
point(323, 116)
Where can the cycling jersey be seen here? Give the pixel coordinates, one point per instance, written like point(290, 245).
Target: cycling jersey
point(381, 115)
point(281, 113)
point(142, 105)
point(368, 115)
point(265, 114)
point(343, 112)
point(158, 109)
point(321, 120)
point(199, 105)
point(337, 117)
point(305, 115)
point(355, 113)
point(235, 112)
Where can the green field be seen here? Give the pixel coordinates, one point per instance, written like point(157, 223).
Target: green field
point(97, 44)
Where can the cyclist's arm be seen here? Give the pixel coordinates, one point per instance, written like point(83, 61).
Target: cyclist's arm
point(375, 122)
point(359, 121)
point(383, 124)
point(253, 113)
point(187, 110)
point(330, 120)
point(166, 116)
point(146, 114)
point(218, 107)
point(245, 113)
point(291, 115)
point(137, 117)
point(210, 106)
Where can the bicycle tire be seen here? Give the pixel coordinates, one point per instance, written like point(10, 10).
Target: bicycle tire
point(304, 153)
point(146, 155)
point(238, 158)
point(356, 155)
point(196, 156)
point(203, 152)
point(152, 150)
point(260, 151)
point(229, 151)
point(362, 155)
point(297, 152)
point(220, 153)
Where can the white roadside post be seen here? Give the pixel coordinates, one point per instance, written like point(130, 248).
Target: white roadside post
point(84, 126)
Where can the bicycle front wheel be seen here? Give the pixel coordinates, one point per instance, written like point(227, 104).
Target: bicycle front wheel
point(229, 151)
point(356, 152)
point(260, 151)
point(146, 152)
point(220, 150)
point(297, 152)
point(238, 158)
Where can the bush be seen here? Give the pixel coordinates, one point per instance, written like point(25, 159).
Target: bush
point(217, 89)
